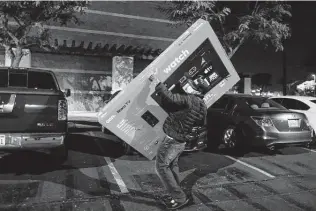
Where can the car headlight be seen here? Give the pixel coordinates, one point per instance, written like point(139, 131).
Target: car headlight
point(263, 121)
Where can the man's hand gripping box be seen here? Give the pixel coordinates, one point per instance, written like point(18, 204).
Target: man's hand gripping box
point(135, 116)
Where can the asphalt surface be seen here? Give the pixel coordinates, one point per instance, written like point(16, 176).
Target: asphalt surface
point(97, 176)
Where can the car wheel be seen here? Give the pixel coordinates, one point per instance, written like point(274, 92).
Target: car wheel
point(59, 154)
point(272, 150)
point(213, 143)
point(230, 137)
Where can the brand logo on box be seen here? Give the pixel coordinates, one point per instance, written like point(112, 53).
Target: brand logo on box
point(192, 71)
point(110, 119)
point(176, 61)
point(213, 76)
point(124, 106)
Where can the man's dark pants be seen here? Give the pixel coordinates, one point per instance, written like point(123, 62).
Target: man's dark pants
point(167, 167)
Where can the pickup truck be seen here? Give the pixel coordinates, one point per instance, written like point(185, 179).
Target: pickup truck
point(33, 112)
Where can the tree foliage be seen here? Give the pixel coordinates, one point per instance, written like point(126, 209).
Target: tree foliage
point(22, 23)
point(236, 22)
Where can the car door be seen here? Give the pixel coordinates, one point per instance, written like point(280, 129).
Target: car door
point(218, 116)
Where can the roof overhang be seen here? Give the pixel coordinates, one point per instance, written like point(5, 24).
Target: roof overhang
point(98, 49)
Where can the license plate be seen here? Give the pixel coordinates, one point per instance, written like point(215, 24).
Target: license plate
point(293, 123)
point(2, 140)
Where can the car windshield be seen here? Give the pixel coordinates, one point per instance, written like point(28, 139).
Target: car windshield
point(262, 103)
point(27, 79)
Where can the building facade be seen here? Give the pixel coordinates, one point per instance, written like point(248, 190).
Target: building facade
point(114, 38)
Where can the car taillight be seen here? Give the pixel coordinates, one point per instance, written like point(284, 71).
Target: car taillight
point(307, 123)
point(263, 121)
point(62, 109)
point(309, 126)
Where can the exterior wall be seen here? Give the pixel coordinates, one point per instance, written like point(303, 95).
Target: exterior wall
point(109, 22)
point(88, 77)
point(139, 24)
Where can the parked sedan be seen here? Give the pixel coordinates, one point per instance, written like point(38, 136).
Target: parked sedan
point(303, 104)
point(236, 120)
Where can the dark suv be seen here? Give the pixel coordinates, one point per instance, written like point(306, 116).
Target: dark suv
point(33, 112)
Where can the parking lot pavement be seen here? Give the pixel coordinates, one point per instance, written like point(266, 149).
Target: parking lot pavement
point(97, 176)
point(254, 181)
point(289, 186)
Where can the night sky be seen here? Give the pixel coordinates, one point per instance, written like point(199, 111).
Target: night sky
point(300, 49)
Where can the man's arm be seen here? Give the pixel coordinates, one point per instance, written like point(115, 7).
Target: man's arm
point(176, 99)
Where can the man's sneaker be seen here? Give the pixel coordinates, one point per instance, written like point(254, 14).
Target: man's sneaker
point(171, 204)
point(166, 199)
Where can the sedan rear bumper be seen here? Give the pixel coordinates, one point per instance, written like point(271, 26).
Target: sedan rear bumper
point(283, 139)
point(20, 141)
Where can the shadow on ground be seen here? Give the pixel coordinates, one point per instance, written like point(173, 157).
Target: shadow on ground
point(83, 153)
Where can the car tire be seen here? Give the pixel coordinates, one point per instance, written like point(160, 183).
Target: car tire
point(231, 137)
point(213, 143)
point(272, 150)
point(59, 154)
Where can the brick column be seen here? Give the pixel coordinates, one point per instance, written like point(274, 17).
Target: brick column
point(247, 85)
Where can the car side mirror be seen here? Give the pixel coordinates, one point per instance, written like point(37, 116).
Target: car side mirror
point(67, 92)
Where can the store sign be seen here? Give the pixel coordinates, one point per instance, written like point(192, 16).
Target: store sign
point(196, 54)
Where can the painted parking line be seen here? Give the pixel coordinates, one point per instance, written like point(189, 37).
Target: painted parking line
point(114, 171)
point(251, 166)
point(116, 176)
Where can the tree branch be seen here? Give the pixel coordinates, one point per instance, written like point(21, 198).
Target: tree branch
point(27, 31)
point(242, 40)
point(5, 27)
point(55, 13)
point(224, 33)
point(15, 39)
point(17, 20)
point(255, 9)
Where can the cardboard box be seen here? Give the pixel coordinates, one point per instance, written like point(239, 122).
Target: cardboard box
point(135, 116)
